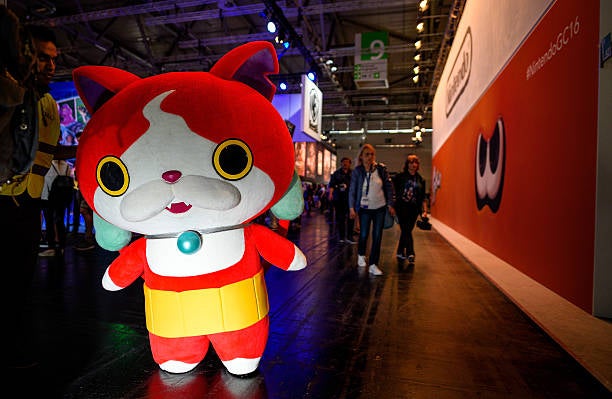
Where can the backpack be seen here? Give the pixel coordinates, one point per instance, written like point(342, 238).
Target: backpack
point(62, 189)
point(19, 136)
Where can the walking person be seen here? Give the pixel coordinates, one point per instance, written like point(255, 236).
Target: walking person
point(370, 194)
point(410, 202)
point(88, 241)
point(338, 195)
point(55, 207)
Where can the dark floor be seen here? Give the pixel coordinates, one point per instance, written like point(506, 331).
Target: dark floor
point(434, 330)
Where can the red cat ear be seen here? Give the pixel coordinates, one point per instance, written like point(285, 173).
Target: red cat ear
point(98, 84)
point(250, 64)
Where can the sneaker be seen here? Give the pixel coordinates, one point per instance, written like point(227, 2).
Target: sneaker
point(84, 245)
point(400, 256)
point(47, 252)
point(361, 261)
point(411, 258)
point(350, 241)
point(374, 270)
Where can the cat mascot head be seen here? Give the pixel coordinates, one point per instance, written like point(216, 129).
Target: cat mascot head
point(188, 160)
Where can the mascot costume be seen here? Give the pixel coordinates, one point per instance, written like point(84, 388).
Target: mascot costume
point(189, 160)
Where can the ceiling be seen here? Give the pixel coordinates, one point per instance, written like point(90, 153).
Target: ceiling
point(152, 37)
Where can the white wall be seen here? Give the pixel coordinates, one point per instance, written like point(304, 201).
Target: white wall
point(602, 292)
point(500, 27)
point(508, 38)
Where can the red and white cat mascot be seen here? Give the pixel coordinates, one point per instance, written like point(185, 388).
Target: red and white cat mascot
point(189, 160)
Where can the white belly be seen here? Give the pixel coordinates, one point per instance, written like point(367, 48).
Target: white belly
point(219, 251)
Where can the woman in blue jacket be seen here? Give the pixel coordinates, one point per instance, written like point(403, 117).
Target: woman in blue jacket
point(370, 194)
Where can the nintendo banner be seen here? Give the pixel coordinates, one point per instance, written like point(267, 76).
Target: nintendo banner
point(516, 174)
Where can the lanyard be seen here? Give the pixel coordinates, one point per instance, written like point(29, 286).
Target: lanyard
point(368, 174)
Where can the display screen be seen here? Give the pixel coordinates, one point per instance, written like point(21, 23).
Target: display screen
point(72, 112)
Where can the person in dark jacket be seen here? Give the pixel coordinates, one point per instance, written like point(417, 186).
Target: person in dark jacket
point(410, 202)
point(370, 194)
point(338, 193)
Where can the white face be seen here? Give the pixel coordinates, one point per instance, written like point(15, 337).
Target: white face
point(173, 184)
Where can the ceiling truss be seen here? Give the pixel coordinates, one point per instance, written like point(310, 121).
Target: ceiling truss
point(173, 35)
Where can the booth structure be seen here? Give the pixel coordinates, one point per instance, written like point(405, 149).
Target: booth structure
point(520, 174)
point(315, 161)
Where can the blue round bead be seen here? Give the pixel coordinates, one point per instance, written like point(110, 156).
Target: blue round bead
point(189, 242)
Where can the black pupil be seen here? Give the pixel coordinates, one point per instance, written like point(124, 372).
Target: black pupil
point(233, 159)
point(482, 156)
point(112, 176)
point(494, 149)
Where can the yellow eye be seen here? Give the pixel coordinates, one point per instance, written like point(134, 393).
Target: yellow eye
point(112, 176)
point(232, 159)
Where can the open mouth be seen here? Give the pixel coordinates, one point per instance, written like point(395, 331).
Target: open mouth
point(178, 207)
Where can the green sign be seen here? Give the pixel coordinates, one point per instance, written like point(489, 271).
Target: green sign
point(373, 45)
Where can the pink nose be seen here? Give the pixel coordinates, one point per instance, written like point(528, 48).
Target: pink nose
point(171, 176)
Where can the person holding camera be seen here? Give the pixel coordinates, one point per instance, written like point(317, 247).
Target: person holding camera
point(20, 195)
point(410, 202)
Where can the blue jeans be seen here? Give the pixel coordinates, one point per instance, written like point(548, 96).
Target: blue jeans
point(374, 218)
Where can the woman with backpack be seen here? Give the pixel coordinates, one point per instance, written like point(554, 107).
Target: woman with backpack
point(57, 196)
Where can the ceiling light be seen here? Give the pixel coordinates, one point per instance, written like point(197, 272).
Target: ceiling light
point(420, 26)
point(281, 38)
point(283, 86)
point(418, 44)
point(417, 57)
point(423, 5)
point(416, 70)
point(271, 26)
point(415, 79)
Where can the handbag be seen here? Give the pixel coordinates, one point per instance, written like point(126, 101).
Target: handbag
point(18, 130)
point(389, 220)
point(424, 224)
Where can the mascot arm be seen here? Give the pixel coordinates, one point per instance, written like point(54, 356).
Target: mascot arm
point(127, 267)
point(277, 250)
point(108, 236)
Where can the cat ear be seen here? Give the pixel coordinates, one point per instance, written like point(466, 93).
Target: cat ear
point(250, 64)
point(98, 84)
